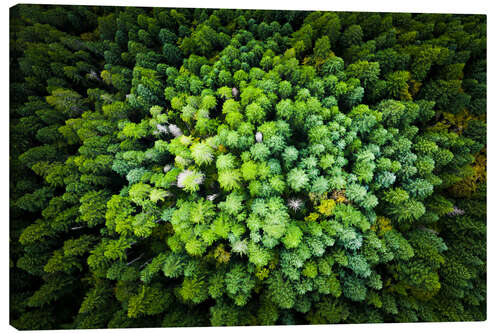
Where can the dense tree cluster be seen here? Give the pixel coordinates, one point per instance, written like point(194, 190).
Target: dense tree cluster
point(195, 167)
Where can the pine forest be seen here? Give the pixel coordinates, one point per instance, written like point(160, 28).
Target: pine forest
point(225, 167)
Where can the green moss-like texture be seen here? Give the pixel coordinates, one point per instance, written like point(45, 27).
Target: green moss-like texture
point(197, 167)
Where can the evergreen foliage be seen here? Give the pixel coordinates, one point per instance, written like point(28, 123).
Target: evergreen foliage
point(194, 167)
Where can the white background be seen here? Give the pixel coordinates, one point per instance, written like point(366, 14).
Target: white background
point(419, 6)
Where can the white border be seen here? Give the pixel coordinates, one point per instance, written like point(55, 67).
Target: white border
point(427, 6)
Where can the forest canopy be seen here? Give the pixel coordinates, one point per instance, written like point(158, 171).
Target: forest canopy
point(208, 167)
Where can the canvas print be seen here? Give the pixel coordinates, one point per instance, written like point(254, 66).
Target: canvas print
point(201, 167)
